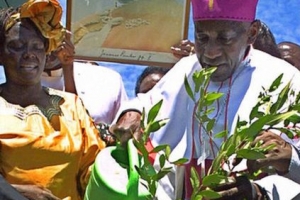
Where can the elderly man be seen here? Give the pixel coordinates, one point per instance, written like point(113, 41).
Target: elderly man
point(224, 33)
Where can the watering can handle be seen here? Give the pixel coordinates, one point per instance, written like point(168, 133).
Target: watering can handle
point(133, 181)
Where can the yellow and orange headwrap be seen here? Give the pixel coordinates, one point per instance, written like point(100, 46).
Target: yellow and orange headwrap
point(46, 15)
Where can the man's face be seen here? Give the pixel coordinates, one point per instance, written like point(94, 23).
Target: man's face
point(23, 54)
point(149, 82)
point(221, 44)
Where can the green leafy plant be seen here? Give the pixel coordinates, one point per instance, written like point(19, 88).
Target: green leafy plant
point(268, 113)
point(147, 171)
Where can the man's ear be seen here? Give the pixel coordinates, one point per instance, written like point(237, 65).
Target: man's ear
point(253, 31)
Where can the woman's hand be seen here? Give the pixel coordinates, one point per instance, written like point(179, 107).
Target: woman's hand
point(33, 192)
point(65, 52)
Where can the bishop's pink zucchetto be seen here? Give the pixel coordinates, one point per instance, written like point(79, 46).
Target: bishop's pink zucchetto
point(234, 10)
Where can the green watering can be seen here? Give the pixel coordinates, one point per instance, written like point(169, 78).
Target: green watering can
point(114, 176)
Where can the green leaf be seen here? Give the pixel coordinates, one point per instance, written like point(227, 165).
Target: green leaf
point(217, 161)
point(209, 194)
point(149, 170)
point(295, 119)
point(202, 93)
point(281, 99)
point(267, 148)
point(168, 152)
point(213, 96)
point(160, 175)
point(264, 99)
point(255, 113)
point(204, 118)
point(152, 189)
point(188, 88)
point(208, 102)
point(297, 97)
point(194, 178)
point(230, 149)
point(154, 126)
point(230, 141)
point(221, 134)
point(143, 174)
point(276, 83)
point(154, 111)
point(209, 111)
point(297, 133)
point(210, 125)
point(288, 132)
point(142, 123)
point(198, 79)
point(278, 118)
point(257, 173)
point(208, 71)
point(159, 148)
point(295, 107)
point(212, 180)
point(249, 154)
point(197, 197)
point(162, 161)
point(242, 123)
point(140, 146)
point(257, 126)
point(180, 161)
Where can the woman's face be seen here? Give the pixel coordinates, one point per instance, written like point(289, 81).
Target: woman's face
point(23, 54)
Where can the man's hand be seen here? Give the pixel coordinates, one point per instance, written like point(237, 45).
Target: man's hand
point(238, 188)
point(182, 49)
point(127, 126)
point(33, 192)
point(279, 156)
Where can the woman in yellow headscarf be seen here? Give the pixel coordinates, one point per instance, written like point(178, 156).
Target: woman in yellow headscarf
point(48, 142)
